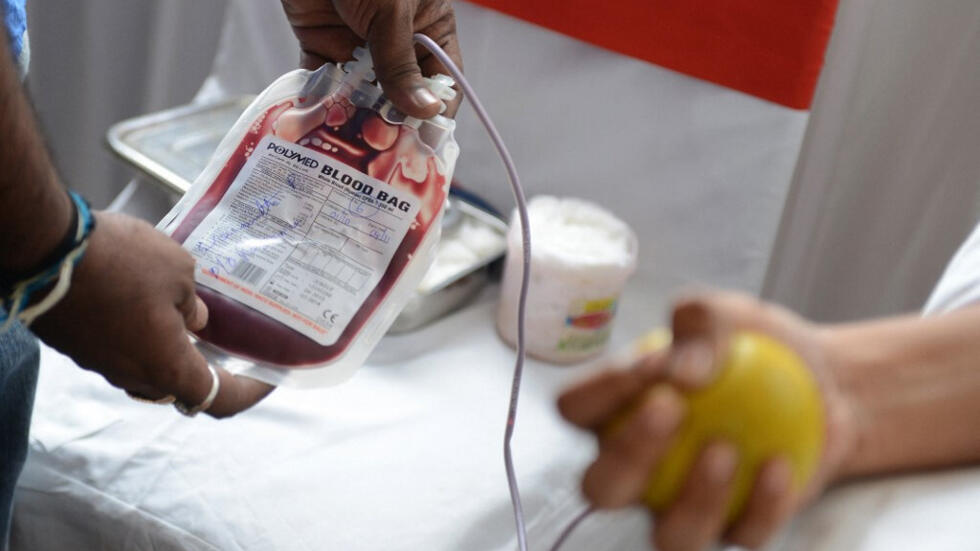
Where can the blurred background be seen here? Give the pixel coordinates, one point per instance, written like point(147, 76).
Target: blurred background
point(97, 62)
point(884, 188)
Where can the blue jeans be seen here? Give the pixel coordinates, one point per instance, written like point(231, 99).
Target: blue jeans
point(19, 360)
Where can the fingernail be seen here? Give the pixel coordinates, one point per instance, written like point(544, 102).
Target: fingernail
point(651, 366)
point(422, 97)
point(776, 479)
point(694, 362)
point(663, 411)
point(721, 463)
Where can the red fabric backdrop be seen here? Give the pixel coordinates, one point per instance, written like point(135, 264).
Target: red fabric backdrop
point(773, 49)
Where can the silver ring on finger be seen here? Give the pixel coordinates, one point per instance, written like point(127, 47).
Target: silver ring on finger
point(191, 411)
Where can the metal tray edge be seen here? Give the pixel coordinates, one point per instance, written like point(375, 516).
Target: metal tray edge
point(115, 140)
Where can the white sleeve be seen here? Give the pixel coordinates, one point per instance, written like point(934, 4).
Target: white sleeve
point(960, 283)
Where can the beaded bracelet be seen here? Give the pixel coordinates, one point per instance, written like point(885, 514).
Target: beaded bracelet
point(57, 270)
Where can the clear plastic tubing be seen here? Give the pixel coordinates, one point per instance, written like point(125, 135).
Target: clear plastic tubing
point(515, 184)
point(521, 202)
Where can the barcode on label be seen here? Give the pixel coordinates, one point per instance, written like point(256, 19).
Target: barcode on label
point(248, 272)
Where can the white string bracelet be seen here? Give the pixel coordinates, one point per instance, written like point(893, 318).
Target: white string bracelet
point(28, 315)
point(57, 272)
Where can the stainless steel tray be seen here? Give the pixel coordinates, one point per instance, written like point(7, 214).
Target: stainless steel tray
point(174, 146)
point(455, 288)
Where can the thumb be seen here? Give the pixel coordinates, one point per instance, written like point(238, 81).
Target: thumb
point(704, 324)
point(701, 331)
point(390, 41)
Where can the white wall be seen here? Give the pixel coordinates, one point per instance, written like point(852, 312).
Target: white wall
point(99, 61)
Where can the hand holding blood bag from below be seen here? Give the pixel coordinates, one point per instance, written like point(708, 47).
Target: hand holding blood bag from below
point(126, 315)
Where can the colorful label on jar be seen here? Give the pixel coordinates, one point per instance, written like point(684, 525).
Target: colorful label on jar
point(301, 237)
point(588, 325)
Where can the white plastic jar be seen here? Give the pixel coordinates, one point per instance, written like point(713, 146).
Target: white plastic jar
point(581, 258)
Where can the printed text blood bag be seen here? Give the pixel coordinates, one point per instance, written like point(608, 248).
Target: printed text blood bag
point(313, 223)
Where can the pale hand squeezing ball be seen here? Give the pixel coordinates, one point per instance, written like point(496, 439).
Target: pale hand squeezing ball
point(764, 400)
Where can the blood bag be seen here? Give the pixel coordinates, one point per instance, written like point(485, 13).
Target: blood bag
point(313, 223)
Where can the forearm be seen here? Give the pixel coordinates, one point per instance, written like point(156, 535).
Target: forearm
point(914, 384)
point(34, 210)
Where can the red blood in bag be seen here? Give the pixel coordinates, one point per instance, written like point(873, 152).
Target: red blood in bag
point(336, 115)
point(379, 134)
point(353, 136)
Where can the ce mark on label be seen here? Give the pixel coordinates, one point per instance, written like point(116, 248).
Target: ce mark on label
point(330, 316)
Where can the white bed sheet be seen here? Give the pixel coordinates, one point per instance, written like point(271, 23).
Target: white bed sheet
point(406, 456)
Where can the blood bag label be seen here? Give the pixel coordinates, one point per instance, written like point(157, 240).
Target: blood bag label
point(301, 237)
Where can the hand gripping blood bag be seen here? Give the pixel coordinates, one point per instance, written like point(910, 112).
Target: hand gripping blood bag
point(313, 223)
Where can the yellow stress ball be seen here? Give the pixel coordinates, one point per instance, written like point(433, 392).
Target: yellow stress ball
point(764, 401)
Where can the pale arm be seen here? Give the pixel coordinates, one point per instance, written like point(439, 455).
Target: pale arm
point(914, 386)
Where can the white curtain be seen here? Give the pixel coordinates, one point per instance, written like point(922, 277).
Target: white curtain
point(889, 177)
point(97, 62)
